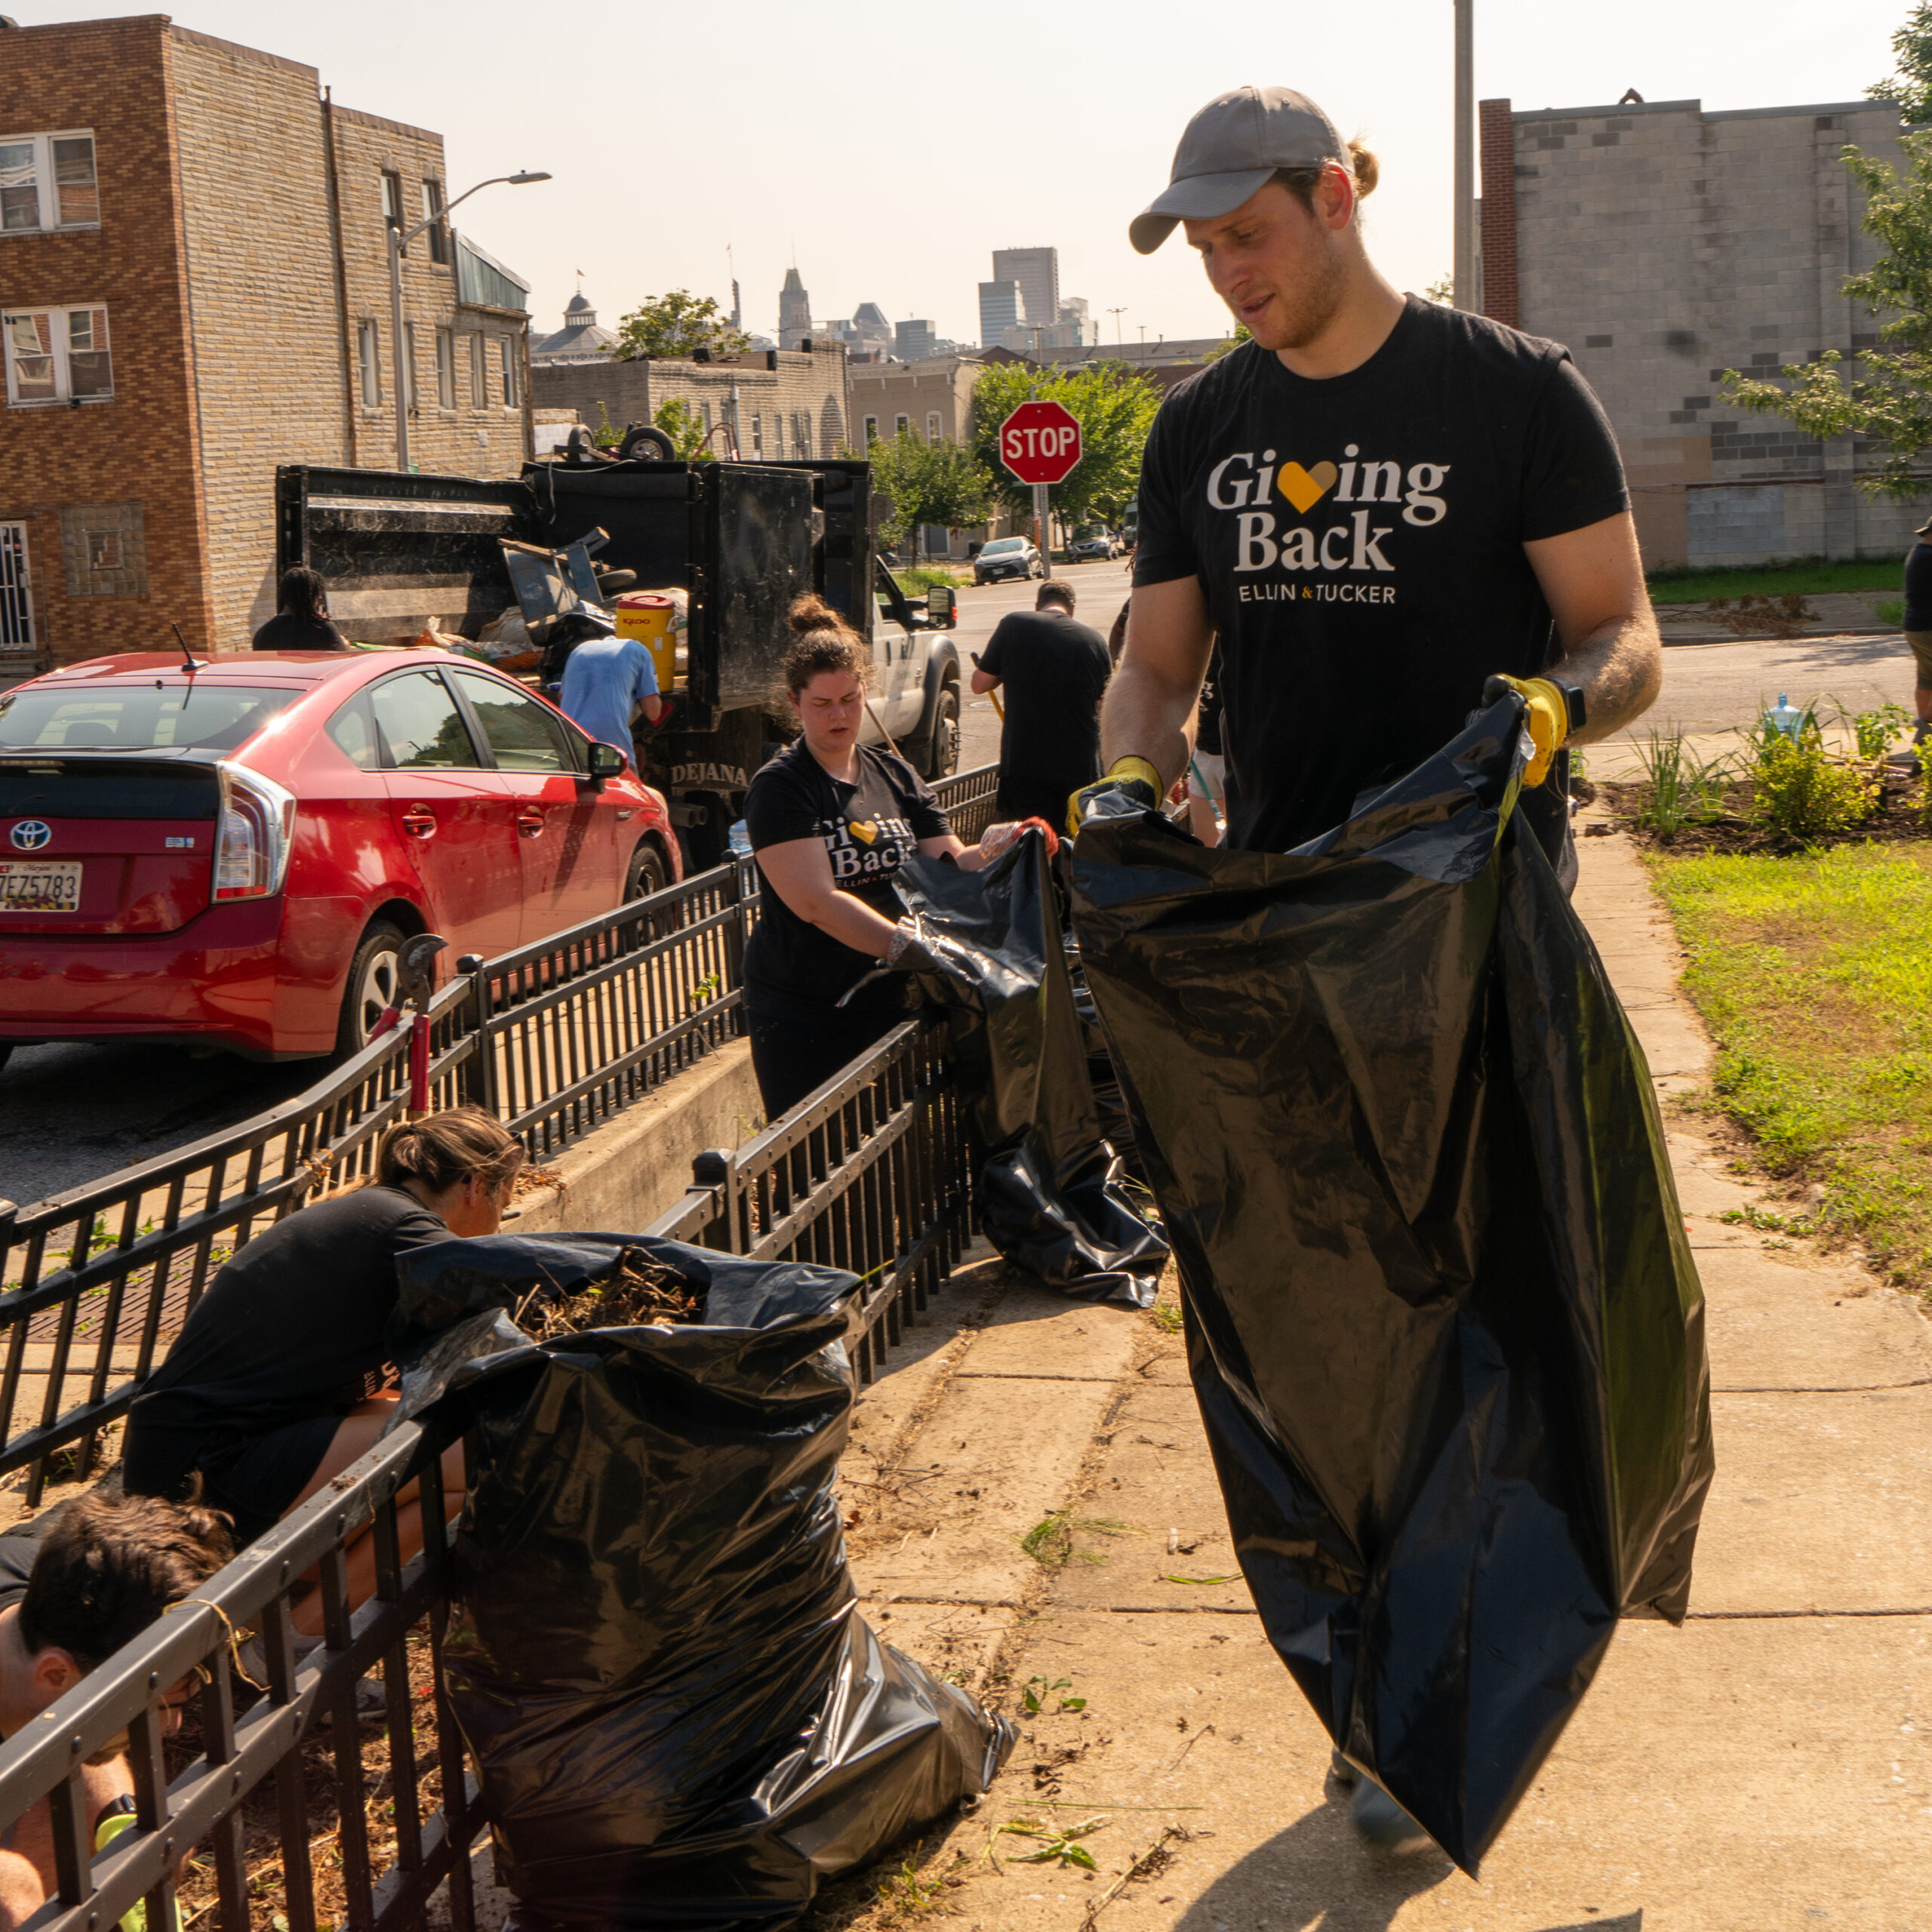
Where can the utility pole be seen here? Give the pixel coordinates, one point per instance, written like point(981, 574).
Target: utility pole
point(1465, 170)
point(1117, 314)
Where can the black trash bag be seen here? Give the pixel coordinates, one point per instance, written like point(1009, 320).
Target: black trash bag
point(1049, 1196)
point(678, 1716)
point(1443, 1322)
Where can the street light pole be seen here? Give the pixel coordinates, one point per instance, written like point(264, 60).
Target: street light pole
point(400, 239)
point(1464, 170)
point(1117, 314)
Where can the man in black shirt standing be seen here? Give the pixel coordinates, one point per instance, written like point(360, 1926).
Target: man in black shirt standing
point(1054, 671)
point(1377, 502)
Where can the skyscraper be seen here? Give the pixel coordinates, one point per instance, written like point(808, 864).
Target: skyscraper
point(1037, 271)
point(999, 311)
point(794, 312)
point(913, 341)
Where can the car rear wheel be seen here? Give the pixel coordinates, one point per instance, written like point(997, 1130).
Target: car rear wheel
point(374, 977)
point(942, 758)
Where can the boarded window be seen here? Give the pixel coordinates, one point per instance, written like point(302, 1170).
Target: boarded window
point(103, 549)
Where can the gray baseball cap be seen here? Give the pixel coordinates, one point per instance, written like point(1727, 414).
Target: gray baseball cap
point(1230, 149)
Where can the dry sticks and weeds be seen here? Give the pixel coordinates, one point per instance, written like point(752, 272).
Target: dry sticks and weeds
point(638, 1292)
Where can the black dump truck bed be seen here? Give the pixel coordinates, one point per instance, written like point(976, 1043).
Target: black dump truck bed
point(398, 552)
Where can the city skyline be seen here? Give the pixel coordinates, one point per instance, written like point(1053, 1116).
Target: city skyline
point(1077, 171)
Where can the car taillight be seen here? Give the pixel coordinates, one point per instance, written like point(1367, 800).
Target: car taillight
point(258, 826)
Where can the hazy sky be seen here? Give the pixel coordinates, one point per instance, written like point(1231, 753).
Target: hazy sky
point(894, 148)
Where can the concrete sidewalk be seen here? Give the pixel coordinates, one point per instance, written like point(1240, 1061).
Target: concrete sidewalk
point(1763, 1767)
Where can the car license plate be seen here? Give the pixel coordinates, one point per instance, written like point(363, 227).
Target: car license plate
point(40, 885)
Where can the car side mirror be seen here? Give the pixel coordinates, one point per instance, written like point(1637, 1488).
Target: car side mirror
point(606, 761)
point(941, 609)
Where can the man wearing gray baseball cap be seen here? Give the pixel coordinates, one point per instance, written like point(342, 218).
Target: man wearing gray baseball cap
point(1377, 502)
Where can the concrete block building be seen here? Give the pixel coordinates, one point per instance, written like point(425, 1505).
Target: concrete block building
point(1663, 245)
point(194, 289)
point(783, 403)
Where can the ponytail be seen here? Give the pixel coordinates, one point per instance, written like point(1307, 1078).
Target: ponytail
point(443, 1150)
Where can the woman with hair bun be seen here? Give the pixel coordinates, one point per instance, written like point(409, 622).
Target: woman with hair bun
point(267, 1393)
point(830, 821)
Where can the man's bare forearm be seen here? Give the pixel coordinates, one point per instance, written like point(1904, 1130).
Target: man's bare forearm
point(1618, 668)
point(1144, 715)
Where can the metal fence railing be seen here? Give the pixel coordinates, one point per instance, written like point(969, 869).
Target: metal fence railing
point(309, 1819)
point(554, 1038)
point(872, 1173)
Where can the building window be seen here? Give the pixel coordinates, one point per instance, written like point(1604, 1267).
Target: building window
point(704, 410)
point(58, 356)
point(432, 212)
point(479, 372)
point(391, 199)
point(369, 361)
point(932, 426)
point(104, 547)
point(446, 368)
point(801, 433)
point(872, 428)
point(16, 604)
point(758, 438)
point(47, 181)
point(508, 344)
point(900, 424)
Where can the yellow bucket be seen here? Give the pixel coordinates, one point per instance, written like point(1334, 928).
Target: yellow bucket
point(648, 615)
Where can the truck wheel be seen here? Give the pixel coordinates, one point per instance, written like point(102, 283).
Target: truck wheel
point(6, 1054)
point(942, 758)
point(374, 975)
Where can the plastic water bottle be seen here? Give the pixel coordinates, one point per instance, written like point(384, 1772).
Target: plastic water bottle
point(1786, 717)
point(740, 841)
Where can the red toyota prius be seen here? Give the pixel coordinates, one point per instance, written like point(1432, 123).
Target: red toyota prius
point(229, 854)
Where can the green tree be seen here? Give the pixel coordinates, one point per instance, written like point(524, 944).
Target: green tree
point(1234, 342)
point(676, 325)
point(936, 482)
point(1910, 84)
point(1890, 402)
point(1114, 408)
point(685, 428)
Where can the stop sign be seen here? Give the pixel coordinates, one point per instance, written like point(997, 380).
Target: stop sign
point(1040, 442)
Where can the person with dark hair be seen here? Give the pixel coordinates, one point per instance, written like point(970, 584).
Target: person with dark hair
point(87, 1578)
point(830, 820)
point(1918, 635)
point(1055, 671)
point(301, 622)
point(275, 1386)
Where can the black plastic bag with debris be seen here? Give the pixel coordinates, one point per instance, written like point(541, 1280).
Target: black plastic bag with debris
point(1050, 1195)
point(1442, 1319)
point(678, 1716)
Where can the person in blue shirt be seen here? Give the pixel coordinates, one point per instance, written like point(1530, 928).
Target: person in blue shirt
point(607, 680)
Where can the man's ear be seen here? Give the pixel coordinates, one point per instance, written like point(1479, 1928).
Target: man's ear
point(1335, 196)
point(56, 1672)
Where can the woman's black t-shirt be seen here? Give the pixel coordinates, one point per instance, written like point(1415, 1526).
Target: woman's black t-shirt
point(870, 830)
point(1918, 587)
point(1360, 540)
point(288, 1330)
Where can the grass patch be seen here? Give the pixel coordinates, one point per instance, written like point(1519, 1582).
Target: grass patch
point(1050, 1542)
point(1808, 577)
point(1814, 973)
point(1891, 611)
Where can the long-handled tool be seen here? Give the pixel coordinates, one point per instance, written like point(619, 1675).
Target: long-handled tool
point(993, 692)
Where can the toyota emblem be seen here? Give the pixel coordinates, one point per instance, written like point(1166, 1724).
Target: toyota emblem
point(31, 834)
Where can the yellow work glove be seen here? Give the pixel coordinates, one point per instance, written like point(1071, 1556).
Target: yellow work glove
point(1132, 786)
point(1548, 717)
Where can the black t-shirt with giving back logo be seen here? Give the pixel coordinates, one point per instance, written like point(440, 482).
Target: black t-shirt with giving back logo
point(1360, 540)
point(870, 830)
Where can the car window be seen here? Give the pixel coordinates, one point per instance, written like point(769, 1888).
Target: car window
point(420, 727)
point(354, 731)
point(1001, 545)
point(524, 735)
point(143, 718)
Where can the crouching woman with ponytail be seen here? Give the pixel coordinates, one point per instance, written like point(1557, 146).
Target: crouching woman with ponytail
point(266, 1397)
point(830, 821)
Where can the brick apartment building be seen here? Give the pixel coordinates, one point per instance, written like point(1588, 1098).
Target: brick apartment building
point(783, 403)
point(193, 289)
point(1663, 245)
